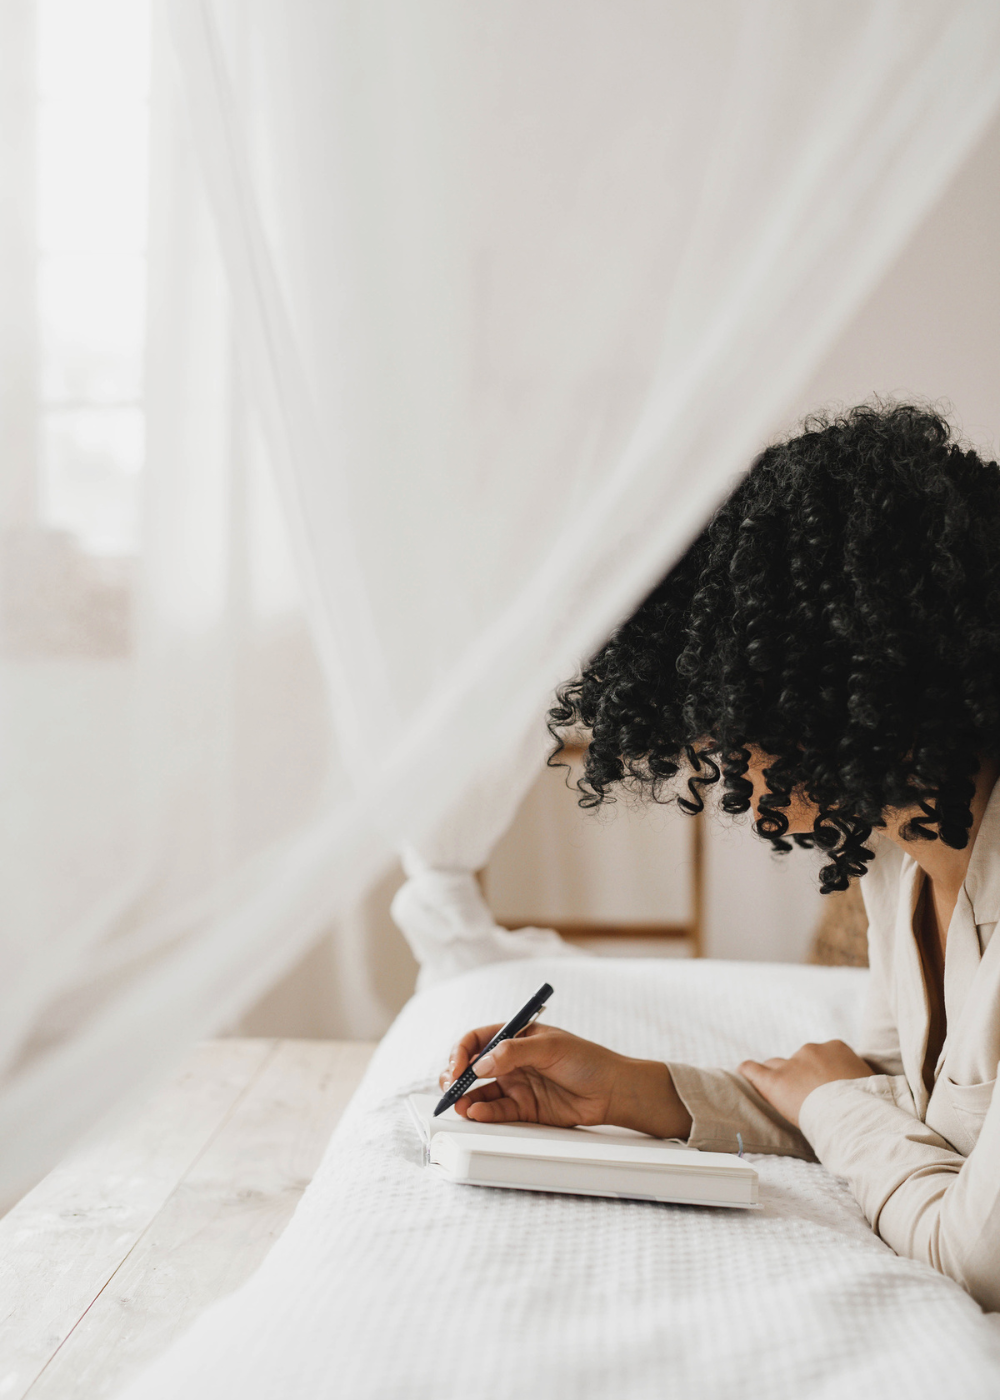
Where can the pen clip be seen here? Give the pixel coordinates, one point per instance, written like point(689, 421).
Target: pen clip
point(534, 1018)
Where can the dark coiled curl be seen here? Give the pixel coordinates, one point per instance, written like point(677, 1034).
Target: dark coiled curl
point(840, 613)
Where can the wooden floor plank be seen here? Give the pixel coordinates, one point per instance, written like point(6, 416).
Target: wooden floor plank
point(61, 1244)
point(217, 1224)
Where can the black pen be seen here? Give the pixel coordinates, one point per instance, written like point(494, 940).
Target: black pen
point(517, 1023)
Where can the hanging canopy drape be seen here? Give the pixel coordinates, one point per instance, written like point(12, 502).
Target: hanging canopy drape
point(496, 301)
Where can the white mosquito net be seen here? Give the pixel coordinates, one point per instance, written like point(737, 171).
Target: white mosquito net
point(462, 319)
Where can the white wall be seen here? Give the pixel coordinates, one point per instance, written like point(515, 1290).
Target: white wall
point(932, 328)
point(621, 863)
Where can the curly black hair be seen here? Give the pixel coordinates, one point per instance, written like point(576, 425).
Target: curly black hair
point(840, 613)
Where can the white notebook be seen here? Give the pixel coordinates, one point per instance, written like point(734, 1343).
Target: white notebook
point(579, 1161)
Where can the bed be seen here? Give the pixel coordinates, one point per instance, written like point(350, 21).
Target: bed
point(391, 1284)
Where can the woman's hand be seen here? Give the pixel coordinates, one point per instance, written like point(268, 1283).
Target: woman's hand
point(547, 1075)
point(786, 1084)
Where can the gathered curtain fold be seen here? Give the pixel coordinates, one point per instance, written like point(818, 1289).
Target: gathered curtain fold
point(492, 306)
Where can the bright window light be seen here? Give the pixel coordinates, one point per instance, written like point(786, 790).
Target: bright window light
point(93, 125)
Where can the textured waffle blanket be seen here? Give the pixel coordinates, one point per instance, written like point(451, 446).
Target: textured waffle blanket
point(391, 1284)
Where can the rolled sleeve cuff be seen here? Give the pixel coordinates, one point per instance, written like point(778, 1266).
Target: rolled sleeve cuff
point(723, 1104)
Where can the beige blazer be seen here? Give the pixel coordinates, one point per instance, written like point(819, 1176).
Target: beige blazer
point(925, 1168)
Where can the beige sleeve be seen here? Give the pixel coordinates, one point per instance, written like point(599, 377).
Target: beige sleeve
point(923, 1198)
point(722, 1104)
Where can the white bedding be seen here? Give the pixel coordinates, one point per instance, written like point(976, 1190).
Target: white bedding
point(391, 1284)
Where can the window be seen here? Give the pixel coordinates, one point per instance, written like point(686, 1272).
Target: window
point(75, 99)
point(93, 138)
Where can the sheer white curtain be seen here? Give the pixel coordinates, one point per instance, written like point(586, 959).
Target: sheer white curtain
point(559, 271)
point(495, 301)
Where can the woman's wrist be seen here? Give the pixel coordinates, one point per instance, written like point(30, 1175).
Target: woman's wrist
point(644, 1098)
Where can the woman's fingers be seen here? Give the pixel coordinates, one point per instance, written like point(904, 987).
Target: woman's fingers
point(751, 1068)
point(536, 1048)
point(464, 1050)
point(759, 1075)
point(473, 1041)
point(498, 1110)
point(479, 1094)
point(524, 1052)
point(482, 1094)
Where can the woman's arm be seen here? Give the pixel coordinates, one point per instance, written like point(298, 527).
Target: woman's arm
point(727, 1110)
point(550, 1076)
point(722, 1103)
point(786, 1084)
point(921, 1196)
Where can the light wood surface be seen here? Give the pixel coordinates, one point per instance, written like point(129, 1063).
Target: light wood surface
point(118, 1249)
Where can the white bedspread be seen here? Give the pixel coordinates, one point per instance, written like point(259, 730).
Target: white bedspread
point(390, 1284)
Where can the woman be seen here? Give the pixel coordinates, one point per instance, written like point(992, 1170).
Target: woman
point(827, 654)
